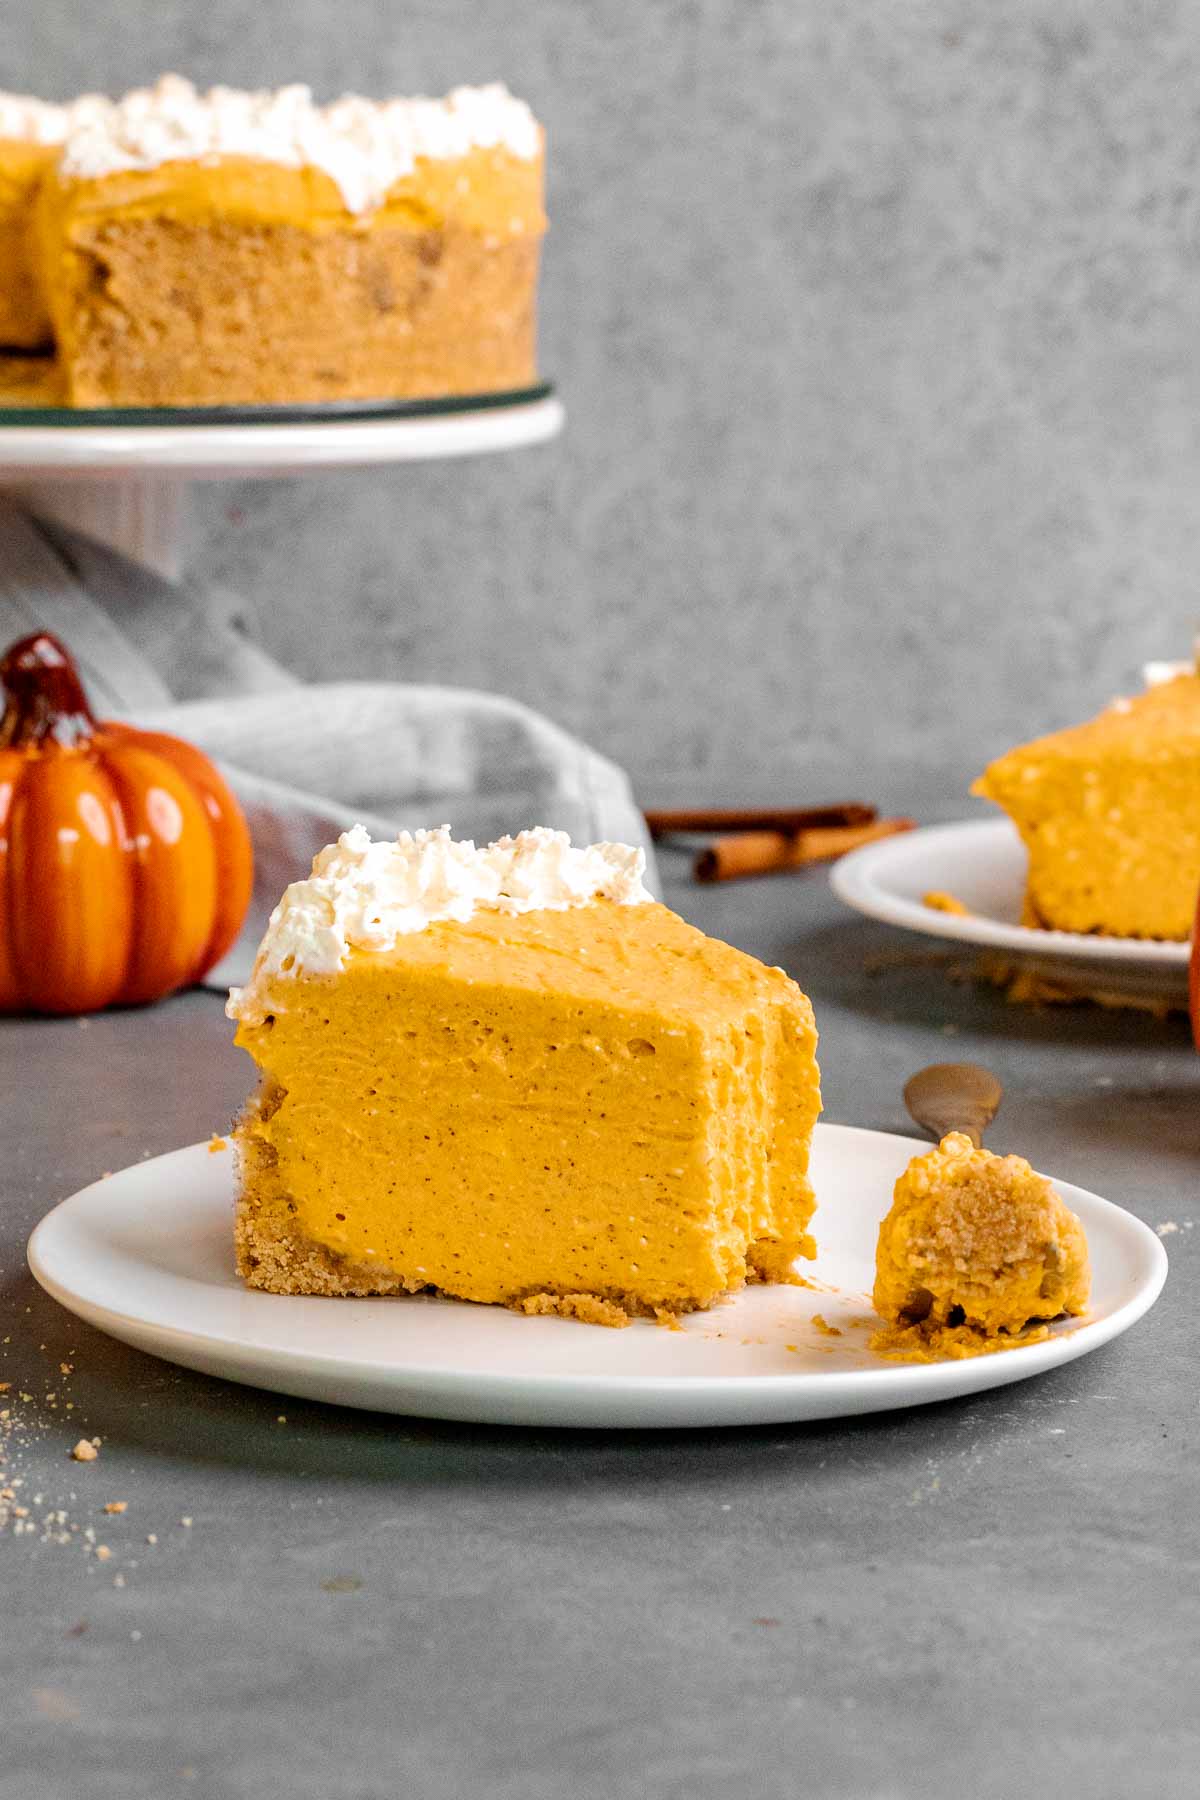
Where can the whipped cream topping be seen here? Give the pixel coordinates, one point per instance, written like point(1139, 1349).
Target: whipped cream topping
point(1157, 674)
point(365, 146)
point(363, 895)
point(33, 121)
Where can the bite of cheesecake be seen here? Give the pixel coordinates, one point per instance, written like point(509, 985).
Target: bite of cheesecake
point(976, 1250)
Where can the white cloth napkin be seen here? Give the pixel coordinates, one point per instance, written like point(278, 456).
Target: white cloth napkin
point(305, 760)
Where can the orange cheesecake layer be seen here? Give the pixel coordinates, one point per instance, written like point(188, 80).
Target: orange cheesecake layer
point(237, 280)
point(24, 318)
point(597, 1110)
point(1110, 815)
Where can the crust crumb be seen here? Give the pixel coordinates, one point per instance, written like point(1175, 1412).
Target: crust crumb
point(938, 901)
point(589, 1309)
point(926, 1342)
point(824, 1327)
point(85, 1451)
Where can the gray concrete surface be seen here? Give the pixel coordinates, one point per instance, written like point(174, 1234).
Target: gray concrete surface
point(983, 1598)
point(877, 327)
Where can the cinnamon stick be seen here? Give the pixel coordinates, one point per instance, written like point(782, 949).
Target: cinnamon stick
point(765, 852)
point(664, 822)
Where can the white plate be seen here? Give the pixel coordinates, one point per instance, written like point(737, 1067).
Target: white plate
point(983, 864)
point(147, 1257)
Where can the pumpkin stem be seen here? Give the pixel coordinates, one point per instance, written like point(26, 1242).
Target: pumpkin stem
point(43, 695)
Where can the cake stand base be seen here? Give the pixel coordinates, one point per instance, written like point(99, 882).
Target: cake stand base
point(142, 516)
point(123, 480)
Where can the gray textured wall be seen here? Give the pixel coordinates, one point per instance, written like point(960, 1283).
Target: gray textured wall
point(878, 324)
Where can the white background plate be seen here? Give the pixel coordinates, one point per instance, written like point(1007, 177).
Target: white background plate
point(146, 1256)
point(982, 863)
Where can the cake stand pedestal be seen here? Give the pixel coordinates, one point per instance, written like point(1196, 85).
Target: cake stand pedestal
point(143, 516)
point(123, 478)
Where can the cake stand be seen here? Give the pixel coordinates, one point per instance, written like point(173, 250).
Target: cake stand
point(122, 476)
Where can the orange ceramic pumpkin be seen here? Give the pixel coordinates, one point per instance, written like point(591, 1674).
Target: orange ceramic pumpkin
point(125, 862)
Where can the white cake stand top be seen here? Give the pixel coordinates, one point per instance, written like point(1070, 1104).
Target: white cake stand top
point(121, 475)
point(219, 442)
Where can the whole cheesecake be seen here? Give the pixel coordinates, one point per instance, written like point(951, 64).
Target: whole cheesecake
point(31, 131)
point(239, 248)
point(508, 1074)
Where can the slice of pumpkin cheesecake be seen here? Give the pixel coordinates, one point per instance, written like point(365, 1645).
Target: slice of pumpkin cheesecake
point(1109, 812)
point(510, 1075)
